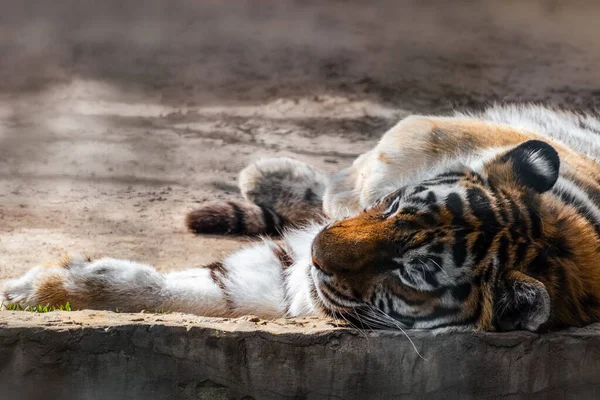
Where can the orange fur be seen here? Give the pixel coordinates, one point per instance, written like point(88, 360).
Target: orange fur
point(352, 248)
point(51, 291)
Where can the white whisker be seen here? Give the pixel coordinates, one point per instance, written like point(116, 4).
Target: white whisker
point(440, 267)
point(397, 325)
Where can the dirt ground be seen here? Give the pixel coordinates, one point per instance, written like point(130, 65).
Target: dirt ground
point(118, 118)
point(109, 177)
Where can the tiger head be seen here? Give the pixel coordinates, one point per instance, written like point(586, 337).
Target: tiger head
point(446, 253)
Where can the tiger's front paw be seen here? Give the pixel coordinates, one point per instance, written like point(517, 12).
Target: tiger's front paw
point(38, 286)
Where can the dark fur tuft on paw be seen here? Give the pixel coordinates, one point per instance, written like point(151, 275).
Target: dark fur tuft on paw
point(234, 218)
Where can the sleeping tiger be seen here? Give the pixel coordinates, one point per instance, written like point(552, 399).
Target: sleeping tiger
point(486, 221)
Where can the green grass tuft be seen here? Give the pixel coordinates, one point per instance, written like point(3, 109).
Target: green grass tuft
point(66, 307)
point(38, 309)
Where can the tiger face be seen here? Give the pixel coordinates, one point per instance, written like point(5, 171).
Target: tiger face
point(446, 253)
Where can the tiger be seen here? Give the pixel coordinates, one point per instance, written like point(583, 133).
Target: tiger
point(477, 221)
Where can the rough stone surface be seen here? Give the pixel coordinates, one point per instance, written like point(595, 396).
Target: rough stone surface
point(103, 355)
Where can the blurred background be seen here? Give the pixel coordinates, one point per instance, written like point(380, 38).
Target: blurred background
point(116, 118)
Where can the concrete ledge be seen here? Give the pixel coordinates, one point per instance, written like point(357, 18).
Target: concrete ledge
point(103, 355)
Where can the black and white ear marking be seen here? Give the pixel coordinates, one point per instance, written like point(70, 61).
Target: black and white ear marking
point(521, 303)
point(535, 163)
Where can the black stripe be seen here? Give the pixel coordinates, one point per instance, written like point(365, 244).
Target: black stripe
point(482, 245)
point(455, 206)
point(503, 252)
point(395, 205)
point(340, 296)
point(428, 238)
point(218, 274)
point(389, 303)
point(441, 182)
point(581, 208)
point(407, 277)
point(534, 218)
point(312, 286)
point(454, 174)
point(459, 248)
point(407, 224)
point(502, 206)
point(435, 208)
point(461, 292)
point(515, 212)
point(428, 219)
point(592, 191)
point(381, 304)
point(438, 312)
point(475, 177)
point(409, 210)
point(560, 248)
point(437, 248)
point(404, 244)
point(431, 198)
point(217, 266)
point(584, 124)
point(521, 253)
point(538, 266)
point(487, 276)
point(517, 226)
point(239, 224)
point(482, 208)
point(269, 220)
point(284, 257)
point(328, 297)
point(429, 277)
point(418, 189)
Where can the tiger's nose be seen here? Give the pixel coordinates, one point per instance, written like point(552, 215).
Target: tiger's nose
point(323, 249)
point(336, 251)
point(317, 265)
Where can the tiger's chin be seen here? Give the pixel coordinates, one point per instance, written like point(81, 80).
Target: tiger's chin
point(362, 315)
point(369, 318)
point(349, 310)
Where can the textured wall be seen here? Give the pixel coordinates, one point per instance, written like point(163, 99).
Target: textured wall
point(76, 356)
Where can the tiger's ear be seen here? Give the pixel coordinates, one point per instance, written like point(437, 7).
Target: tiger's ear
point(533, 164)
point(522, 302)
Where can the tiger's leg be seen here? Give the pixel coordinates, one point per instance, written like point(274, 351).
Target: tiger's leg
point(277, 193)
point(248, 282)
point(406, 153)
